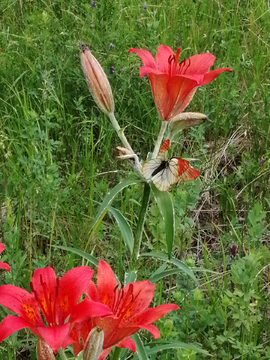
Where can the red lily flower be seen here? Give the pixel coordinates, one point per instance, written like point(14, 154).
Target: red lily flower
point(130, 312)
point(3, 265)
point(173, 84)
point(56, 299)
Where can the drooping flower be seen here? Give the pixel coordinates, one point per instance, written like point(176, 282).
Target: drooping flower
point(130, 312)
point(56, 299)
point(261, 162)
point(3, 265)
point(174, 84)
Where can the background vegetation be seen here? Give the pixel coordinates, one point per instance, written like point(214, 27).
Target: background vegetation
point(57, 159)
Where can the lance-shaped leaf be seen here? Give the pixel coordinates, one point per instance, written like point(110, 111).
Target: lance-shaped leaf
point(165, 204)
point(123, 227)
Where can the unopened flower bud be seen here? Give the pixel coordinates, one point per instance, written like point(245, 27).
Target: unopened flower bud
point(44, 352)
point(97, 81)
point(93, 346)
point(184, 121)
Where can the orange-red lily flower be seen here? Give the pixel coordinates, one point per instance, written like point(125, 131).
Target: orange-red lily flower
point(130, 312)
point(174, 84)
point(56, 299)
point(3, 265)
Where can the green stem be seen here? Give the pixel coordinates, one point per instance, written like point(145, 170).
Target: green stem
point(120, 133)
point(116, 353)
point(160, 138)
point(137, 165)
point(138, 232)
point(62, 354)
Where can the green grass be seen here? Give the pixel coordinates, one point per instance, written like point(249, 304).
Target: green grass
point(57, 158)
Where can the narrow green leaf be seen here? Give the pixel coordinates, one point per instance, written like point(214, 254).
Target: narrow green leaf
point(111, 195)
point(176, 345)
point(79, 252)
point(106, 202)
point(157, 277)
point(124, 228)
point(140, 350)
point(162, 268)
point(180, 264)
point(165, 204)
point(79, 356)
point(130, 276)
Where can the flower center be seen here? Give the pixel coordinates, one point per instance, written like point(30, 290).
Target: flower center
point(173, 62)
point(183, 66)
point(46, 300)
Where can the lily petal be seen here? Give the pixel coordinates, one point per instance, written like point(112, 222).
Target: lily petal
point(54, 336)
point(105, 353)
point(70, 289)
point(142, 295)
point(10, 325)
point(87, 309)
point(127, 343)
point(178, 88)
point(106, 284)
point(153, 314)
point(2, 247)
point(186, 100)
point(152, 329)
point(21, 302)
point(164, 54)
point(200, 64)
point(160, 94)
point(44, 285)
point(146, 57)
point(213, 74)
point(91, 291)
point(4, 266)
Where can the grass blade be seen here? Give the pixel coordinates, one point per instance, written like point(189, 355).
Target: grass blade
point(81, 253)
point(177, 345)
point(140, 350)
point(180, 264)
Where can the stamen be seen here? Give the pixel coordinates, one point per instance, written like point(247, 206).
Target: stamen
point(183, 66)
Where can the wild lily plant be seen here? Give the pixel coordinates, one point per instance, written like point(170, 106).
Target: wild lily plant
point(95, 317)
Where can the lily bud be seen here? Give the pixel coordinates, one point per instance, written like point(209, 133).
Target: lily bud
point(44, 352)
point(97, 81)
point(93, 346)
point(184, 121)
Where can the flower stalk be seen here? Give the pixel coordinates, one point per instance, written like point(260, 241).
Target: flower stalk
point(62, 354)
point(101, 91)
point(136, 165)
